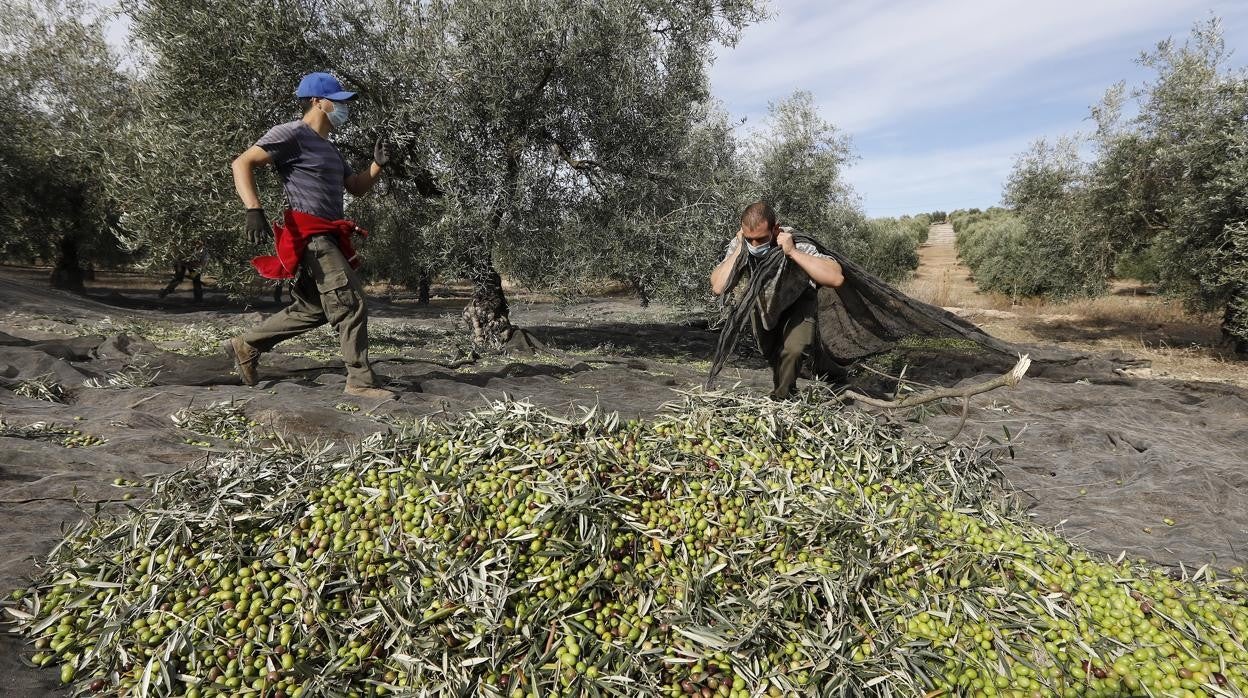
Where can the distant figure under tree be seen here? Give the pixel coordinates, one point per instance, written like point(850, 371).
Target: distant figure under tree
point(192, 268)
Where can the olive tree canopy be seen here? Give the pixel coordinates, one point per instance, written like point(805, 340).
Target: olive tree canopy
point(213, 78)
point(538, 119)
point(66, 99)
point(1169, 183)
point(514, 122)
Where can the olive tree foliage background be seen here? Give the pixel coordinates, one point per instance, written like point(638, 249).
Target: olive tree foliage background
point(542, 123)
point(65, 101)
point(796, 161)
point(657, 236)
point(1164, 197)
point(1194, 118)
point(1061, 257)
point(1000, 248)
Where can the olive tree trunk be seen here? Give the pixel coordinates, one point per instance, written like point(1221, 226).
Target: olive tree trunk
point(422, 288)
point(1235, 323)
point(67, 275)
point(487, 314)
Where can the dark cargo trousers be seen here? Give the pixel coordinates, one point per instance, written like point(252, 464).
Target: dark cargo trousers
point(784, 345)
point(326, 289)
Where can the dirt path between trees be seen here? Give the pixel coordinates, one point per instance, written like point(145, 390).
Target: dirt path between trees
point(1132, 318)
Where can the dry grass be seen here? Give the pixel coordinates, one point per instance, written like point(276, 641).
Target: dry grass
point(941, 280)
point(1140, 310)
point(947, 291)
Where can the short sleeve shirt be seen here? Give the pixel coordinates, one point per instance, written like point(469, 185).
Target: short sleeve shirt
point(312, 171)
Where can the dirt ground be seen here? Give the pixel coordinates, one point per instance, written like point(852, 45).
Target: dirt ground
point(1104, 447)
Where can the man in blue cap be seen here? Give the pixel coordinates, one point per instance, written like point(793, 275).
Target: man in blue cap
point(314, 240)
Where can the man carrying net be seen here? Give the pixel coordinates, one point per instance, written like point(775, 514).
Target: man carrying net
point(786, 307)
point(808, 303)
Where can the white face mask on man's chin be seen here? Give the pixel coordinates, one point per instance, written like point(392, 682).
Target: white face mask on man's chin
point(758, 250)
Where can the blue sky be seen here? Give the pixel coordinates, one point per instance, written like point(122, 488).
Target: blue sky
point(939, 96)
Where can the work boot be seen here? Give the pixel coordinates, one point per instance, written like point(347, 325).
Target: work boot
point(370, 393)
point(245, 357)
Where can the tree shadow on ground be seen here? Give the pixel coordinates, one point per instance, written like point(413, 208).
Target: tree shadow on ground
point(683, 342)
point(1130, 330)
point(214, 302)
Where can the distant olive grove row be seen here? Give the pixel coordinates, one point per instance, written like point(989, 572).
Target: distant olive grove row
point(1162, 198)
point(562, 144)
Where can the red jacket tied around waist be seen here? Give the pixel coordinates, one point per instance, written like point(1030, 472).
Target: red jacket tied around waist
point(290, 237)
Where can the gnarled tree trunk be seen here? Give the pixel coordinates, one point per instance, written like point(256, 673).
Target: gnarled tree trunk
point(422, 292)
point(1235, 323)
point(67, 274)
point(487, 314)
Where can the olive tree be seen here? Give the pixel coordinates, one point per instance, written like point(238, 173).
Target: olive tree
point(890, 247)
point(67, 99)
point(796, 162)
point(656, 235)
point(510, 120)
point(1164, 194)
point(534, 118)
point(399, 214)
point(1194, 118)
point(1062, 255)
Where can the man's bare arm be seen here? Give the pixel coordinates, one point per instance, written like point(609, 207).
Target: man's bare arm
point(359, 183)
point(821, 270)
point(244, 167)
point(719, 277)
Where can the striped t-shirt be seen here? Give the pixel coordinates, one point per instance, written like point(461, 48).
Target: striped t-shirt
point(312, 171)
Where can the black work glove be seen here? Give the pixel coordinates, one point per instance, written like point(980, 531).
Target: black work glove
point(258, 229)
point(381, 152)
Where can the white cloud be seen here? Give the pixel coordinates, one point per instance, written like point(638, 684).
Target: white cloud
point(937, 180)
point(881, 70)
point(870, 63)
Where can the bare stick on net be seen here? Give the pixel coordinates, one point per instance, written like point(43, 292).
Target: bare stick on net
point(1008, 379)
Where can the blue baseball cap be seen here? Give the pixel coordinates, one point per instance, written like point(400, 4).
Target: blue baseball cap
point(322, 85)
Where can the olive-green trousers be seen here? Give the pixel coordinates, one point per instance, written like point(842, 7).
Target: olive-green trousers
point(326, 289)
point(784, 345)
